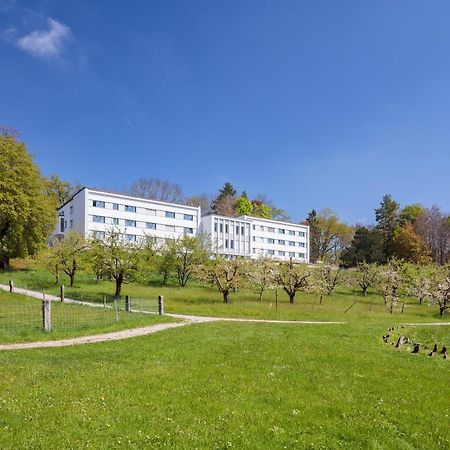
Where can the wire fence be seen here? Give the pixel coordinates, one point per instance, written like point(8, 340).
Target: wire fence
point(19, 317)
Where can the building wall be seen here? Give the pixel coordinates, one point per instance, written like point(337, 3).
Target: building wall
point(93, 212)
point(279, 240)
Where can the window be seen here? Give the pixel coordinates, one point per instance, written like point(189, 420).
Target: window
point(237, 229)
point(99, 234)
point(292, 254)
point(270, 229)
point(226, 243)
point(188, 217)
point(281, 242)
point(242, 231)
point(270, 241)
point(71, 223)
point(170, 228)
point(116, 206)
point(170, 215)
point(221, 227)
point(129, 208)
point(151, 226)
point(301, 233)
point(215, 227)
point(65, 224)
point(281, 231)
point(291, 233)
point(271, 252)
point(61, 224)
point(71, 209)
point(98, 204)
point(281, 253)
point(254, 239)
point(130, 223)
point(231, 243)
point(189, 231)
point(226, 228)
point(115, 221)
point(301, 255)
point(254, 227)
point(98, 219)
point(301, 244)
point(130, 237)
point(291, 243)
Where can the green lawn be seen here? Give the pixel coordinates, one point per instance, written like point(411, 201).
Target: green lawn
point(232, 385)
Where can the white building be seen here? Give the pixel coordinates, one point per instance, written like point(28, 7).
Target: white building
point(253, 237)
point(91, 212)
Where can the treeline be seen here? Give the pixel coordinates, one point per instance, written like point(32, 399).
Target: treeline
point(180, 261)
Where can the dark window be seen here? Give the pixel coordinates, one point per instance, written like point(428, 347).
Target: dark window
point(188, 217)
point(129, 208)
point(98, 219)
point(189, 230)
point(130, 223)
point(116, 206)
point(151, 226)
point(98, 203)
point(170, 214)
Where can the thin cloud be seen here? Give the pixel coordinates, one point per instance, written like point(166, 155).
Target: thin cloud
point(47, 43)
point(130, 124)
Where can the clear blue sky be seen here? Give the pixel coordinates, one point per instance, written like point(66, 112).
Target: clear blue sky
point(314, 103)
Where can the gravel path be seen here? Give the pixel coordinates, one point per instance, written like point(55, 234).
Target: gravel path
point(186, 319)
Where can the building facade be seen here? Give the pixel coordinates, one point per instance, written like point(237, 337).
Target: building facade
point(92, 212)
point(253, 237)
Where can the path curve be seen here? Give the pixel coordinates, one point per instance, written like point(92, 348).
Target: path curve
point(186, 319)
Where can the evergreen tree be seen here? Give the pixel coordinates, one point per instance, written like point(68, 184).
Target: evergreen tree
point(387, 217)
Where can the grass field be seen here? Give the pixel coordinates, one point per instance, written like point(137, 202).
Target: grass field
point(232, 385)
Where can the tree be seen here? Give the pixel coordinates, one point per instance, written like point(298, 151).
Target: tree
point(325, 279)
point(366, 247)
point(190, 252)
point(167, 258)
point(387, 218)
point(366, 276)
point(156, 189)
point(390, 281)
point(62, 190)
point(262, 275)
point(262, 210)
point(67, 253)
point(224, 274)
point(244, 206)
point(27, 212)
point(202, 200)
point(410, 213)
point(407, 245)
point(328, 236)
point(120, 260)
point(275, 212)
point(440, 295)
point(433, 227)
point(292, 278)
point(225, 202)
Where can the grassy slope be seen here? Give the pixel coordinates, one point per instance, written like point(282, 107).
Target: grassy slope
point(232, 385)
point(245, 386)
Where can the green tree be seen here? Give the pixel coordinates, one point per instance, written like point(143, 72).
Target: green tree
point(262, 210)
point(166, 259)
point(293, 278)
point(27, 212)
point(366, 246)
point(244, 206)
point(410, 213)
point(190, 252)
point(62, 190)
point(120, 260)
point(387, 218)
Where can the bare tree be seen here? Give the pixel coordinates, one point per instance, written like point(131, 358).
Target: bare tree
point(156, 189)
point(434, 228)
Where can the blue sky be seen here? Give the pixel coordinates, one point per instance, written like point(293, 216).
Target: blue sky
point(315, 104)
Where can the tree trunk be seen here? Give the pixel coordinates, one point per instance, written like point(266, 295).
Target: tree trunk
point(226, 296)
point(119, 281)
point(4, 262)
point(364, 289)
point(72, 278)
point(442, 309)
point(291, 297)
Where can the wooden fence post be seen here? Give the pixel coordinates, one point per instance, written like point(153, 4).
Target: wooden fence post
point(46, 314)
point(11, 286)
point(127, 303)
point(160, 305)
point(62, 293)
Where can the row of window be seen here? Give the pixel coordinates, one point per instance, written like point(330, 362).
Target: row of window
point(278, 241)
point(133, 237)
point(133, 223)
point(279, 230)
point(221, 226)
point(280, 253)
point(128, 208)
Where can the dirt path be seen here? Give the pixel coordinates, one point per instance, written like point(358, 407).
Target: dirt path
point(186, 319)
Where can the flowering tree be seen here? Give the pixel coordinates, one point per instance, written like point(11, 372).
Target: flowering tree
point(262, 275)
point(293, 278)
point(390, 283)
point(440, 295)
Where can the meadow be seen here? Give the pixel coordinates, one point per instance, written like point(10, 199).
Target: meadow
point(232, 385)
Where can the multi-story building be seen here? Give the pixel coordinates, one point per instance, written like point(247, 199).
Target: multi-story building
point(253, 237)
point(92, 212)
